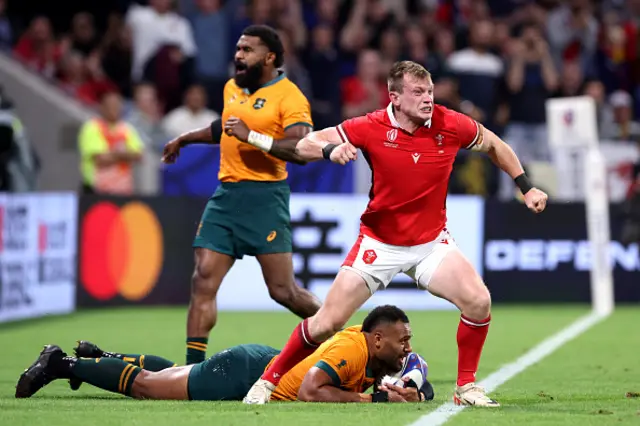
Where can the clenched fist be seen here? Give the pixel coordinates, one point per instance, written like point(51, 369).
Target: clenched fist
point(344, 153)
point(171, 151)
point(536, 200)
point(236, 127)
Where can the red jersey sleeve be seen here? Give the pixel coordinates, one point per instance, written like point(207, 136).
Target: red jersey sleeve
point(354, 131)
point(470, 132)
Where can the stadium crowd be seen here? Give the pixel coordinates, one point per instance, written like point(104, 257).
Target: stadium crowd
point(495, 60)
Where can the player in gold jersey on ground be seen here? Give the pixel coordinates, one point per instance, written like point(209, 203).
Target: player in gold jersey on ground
point(249, 212)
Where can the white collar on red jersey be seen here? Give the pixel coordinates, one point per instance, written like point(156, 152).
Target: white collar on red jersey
point(394, 122)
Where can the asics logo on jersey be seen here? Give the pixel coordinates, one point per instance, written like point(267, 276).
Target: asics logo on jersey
point(271, 236)
point(416, 157)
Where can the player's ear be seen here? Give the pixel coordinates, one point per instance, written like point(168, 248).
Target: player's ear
point(270, 58)
point(394, 97)
point(378, 339)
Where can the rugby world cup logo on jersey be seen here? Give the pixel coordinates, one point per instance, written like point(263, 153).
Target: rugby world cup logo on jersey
point(121, 251)
point(392, 135)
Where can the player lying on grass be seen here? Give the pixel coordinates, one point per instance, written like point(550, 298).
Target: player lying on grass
point(340, 370)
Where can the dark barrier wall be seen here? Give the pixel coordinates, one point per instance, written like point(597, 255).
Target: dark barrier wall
point(136, 250)
point(546, 257)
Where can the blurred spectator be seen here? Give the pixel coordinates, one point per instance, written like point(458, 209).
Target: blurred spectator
point(293, 66)
point(321, 60)
point(573, 34)
point(622, 127)
point(254, 12)
point(446, 94)
point(380, 17)
point(38, 49)
point(146, 116)
point(192, 115)
point(117, 55)
point(531, 79)
point(171, 74)
point(323, 12)
point(19, 163)
point(354, 37)
point(571, 80)
point(478, 71)
point(84, 79)
point(289, 18)
point(108, 149)
point(595, 90)
point(616, 53)
point(7, 28)
point(417, 50)
point(338, 52)
point(154, 27)
point(390, 48)
point(367, 90)
point(83, 37)
point(211, 24)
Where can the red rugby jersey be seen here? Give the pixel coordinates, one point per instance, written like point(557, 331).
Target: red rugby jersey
point(410, 172)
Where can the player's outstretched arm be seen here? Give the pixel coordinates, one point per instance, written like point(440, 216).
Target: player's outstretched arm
point(506, 159)
point(328, 145)
point(206, 135)
point(210, 134)
point(307, 146)
point(285, 148)
point(318, 386)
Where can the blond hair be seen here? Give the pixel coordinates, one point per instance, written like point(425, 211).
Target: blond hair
point(402, 68)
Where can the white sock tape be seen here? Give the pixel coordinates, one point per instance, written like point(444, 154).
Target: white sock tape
point(263, 142)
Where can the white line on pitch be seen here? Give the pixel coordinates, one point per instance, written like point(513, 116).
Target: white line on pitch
point(447, 410)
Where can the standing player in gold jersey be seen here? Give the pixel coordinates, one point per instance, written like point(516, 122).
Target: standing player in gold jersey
point(249, 212)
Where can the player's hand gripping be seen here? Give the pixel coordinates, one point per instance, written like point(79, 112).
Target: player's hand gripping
point(401, 394)
point(171, 151)
point(536, 200)
point(236, 127)
point(344, 153)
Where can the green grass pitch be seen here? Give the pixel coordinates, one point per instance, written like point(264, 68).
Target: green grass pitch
point(591, 380)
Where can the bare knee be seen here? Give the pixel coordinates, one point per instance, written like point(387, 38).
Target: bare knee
point(205, 280)
point(476, 302)
point(325, 324)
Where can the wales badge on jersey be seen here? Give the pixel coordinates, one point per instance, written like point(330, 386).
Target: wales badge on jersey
point(259, 103)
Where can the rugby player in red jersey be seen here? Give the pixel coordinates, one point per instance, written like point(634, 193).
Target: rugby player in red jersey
point(410, 146)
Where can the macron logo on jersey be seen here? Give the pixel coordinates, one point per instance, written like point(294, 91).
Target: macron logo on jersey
point(416, 157)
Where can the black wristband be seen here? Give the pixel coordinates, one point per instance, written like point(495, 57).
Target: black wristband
point(216, 131)
point(326, 151)
point(380, 396)
point(523, 183)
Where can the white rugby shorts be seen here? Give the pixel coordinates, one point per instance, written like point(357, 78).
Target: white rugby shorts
point(378, 263)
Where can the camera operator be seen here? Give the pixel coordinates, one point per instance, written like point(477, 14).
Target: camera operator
point(18, 161)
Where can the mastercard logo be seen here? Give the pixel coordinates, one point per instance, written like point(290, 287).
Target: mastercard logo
point(121, 251)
